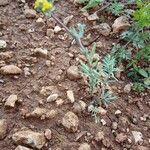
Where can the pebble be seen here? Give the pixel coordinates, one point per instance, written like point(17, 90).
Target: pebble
point(41, 52)
point(103, 122)
point(48, 134)
point(19, 147)
point(99, 136)
point(11, 101)
point(59, 102)
point(114, 125)
point(40, 22)
point(50, 33)
point(3, 128)
point(57, 29)
point(118, 112)
point(29, 138)
point(70, 122)
point(127, 88)
point(70, 96)
point(79, 106)
point(138, 137)
point(52, 98)
point(3, 44)
point(85, 146)
point(104, 29)
point(30, 13)
point(73, 73)
point(121, 137)
point(67, 19)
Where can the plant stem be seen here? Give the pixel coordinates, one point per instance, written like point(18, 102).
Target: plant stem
point(67, 29)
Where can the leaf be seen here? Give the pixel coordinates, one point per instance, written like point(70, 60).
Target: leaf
point(143, 73)
point(147, 81)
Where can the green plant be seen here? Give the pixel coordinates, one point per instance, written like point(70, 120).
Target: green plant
point(90, 3)
point(116, 8)
point(138, 87)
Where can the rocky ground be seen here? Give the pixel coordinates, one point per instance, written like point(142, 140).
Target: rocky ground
point(44, 98)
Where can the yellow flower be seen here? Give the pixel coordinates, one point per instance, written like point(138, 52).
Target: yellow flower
point(43, 5)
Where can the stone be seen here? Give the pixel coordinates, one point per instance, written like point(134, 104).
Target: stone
point(59, 102)
point(40, 22)
point(50, 33)
point(99, 136)
point(73, 73)
point(3, 44)
point(29, 138)
point(41, 52)
point(57, 29)
point(11, 101)
point(104, 29)
point(50, 23)
point(118, 112)
point(52, 97)
point(138, 137)
point(48, 134)
point(70, 122)
point(121, 137)
point(93, 17)
point(3, 128)
point(114, 125)
point(79, 1)
point(85, 146)
point(6, 55)
point(102, 111)
point(103, 122)
point(30, 13)
point(19, 147)
point(79, 106)
point(10, 70)
point(121, 24)
point(67, 19)
point(70, 96)
point(4, 2)
point(127, 88)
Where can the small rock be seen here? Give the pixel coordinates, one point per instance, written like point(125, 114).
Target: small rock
point(10, 70)
point(70, 96)
point(50, 33)
point(40, 22)
point(3, 128)
point(127, 88)
point(67, 19)
point(3, 44)
point(103, 122)
point(57, 29)
point(93, 17)
point(30, 13)
point(121, 24)
point(102, 111)
point(48, 134)
point(59, 102)
point(73, 73)
point(118, 112)
point(52, 98)
point(121, 137)
point(4, 2)
point(41, 52)
point(114, 125)
point(50, 23)
point(138, 137)
point(79, 107)
point(85, 146)
point(19, 147)
point(99, 136)
point(11, 100)
point(70, 121)
point(29, 138)
point(6, 55)
point(103, 29)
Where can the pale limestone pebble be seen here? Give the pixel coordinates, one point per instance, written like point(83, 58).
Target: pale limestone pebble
point(52, 97)
point(67, 19)
point(70, 96)
point(10, 70)
point(26, 71)
point(121, 24)
point(47, 90)
point(42, 113)
point(138, 136)
point(57, 29)
point(70, 121)
point(99, 136)
point(3, 44)
point(3, 128)
point(41, 52)
point(127, 88)
point(29, 138)
point(48, 134)
point(103, 122)
point(19, 147)
point(4, 2)
point(102, 111)
point(30, 13)
point(84, 146)
point(40, 22)
point(6, 55)
point(59, 102)
point(93, 17)
point(11, 101)
point(73, 73)
point(118, 112)
point(79, 106)
point(50, 33)
point(121, 137)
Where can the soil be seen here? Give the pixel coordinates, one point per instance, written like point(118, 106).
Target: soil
point(20, 42)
